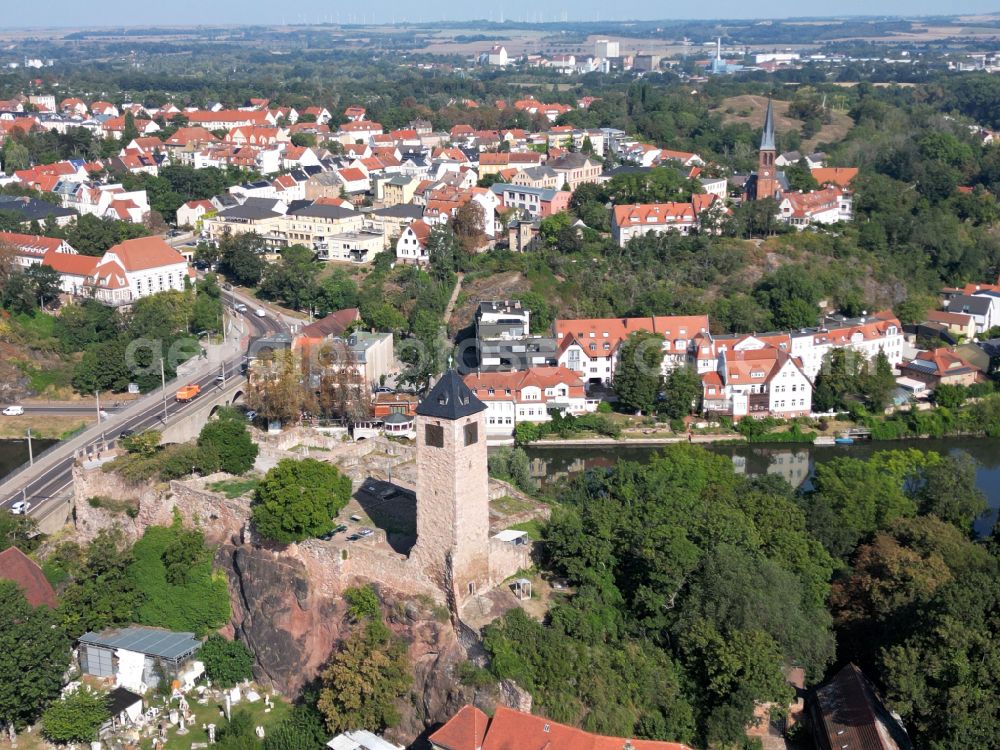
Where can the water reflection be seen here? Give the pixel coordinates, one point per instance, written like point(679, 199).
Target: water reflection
point(794, 463)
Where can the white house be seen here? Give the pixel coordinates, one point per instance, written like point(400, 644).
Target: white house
point(590, 346)
point(637, 219)
point(31, 249)
point(758, 383)
point(984, 307)
point(138, 268)
point(824, 206)
point(497, 55)
point(411, 247)
point(527, 396)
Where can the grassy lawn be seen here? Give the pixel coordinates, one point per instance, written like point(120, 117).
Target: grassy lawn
point(210, 713)
point(508, 505)
point(235, 487)
point(533, 527)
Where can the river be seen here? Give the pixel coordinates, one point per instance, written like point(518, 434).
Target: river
point(794, 462)
point(14, 453)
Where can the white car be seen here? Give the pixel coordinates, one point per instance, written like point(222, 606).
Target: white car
point(261, 313)
point(20, 507)
point(13, 411)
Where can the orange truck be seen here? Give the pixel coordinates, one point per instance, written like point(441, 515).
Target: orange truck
point(188, 392)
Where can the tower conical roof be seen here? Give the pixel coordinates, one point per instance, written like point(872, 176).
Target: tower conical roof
point(767, 139)
point(450, 398)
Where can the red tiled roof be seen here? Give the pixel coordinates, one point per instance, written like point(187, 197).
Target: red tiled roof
point(839, 176)
point(334, 324)
point(482, 383)
point(353, 174)
point(513, 730)
point(360, 126)
point(805, 205)
point(654, 214)
point(146, 252)
point(463, 731)
point(29, 244)
point(852, 715)
point(71, 264)
point(671, 327)
point(421, 229)
point(18, 567)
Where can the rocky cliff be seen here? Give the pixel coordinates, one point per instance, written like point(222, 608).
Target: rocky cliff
point(286, 613)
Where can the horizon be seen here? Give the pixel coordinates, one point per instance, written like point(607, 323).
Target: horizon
point(123, 14)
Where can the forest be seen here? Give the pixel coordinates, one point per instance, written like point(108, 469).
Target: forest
point(694, 588)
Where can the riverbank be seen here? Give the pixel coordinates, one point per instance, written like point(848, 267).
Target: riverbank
point(43, 426)
point(795, 462)
point(638, 441)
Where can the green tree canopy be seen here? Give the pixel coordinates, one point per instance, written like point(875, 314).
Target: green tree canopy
point(34, 654)
point(77, 717)
point(299, 499)
point(637, 375)
point(226, 662)
point(228, 441)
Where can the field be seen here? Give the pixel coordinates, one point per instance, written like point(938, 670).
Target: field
point(750, 109)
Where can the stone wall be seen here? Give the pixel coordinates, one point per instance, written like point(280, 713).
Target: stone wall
point(218, 516)
point(506, 559)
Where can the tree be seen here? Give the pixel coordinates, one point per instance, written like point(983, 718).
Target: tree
point(681, 392)
point(173, 568)
point(18, 530)
point(275, 389)
point(34, 654)
point(226, 662)
point(102, 593)
point(468, 225)
point(142, 443)
point(229, 441)
point(878, 382)
point(77, 717)
point(299, 499)
point(206, 314)
point(129, 131)
point(241, 258)
point(292, 280)
point(949, 491)
point(303, 729)
point(637, 375)
point(364, 679)
point(44, 282)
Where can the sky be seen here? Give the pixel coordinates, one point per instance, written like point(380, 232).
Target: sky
point(47, 13)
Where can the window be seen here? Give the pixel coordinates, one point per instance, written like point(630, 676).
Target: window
point(434, 435)
point(471, 433)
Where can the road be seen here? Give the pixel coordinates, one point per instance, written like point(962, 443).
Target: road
point(53, 471)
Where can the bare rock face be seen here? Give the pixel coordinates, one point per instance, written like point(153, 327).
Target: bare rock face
point(290, 631)
point(287, 613)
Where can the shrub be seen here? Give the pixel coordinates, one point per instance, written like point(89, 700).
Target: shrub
point(604, 408)
point(173, 569)
point(299, 499)
point(229, 441)
point(226, 662)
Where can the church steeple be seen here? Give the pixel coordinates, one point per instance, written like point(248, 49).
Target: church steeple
point(767, 138)
point(767, 185)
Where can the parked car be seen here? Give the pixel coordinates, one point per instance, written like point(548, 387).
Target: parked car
point(13, 411)
point(383, 389)
point(20, 507)
point(353, 537)
point(366, 532)
point(250, 414)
